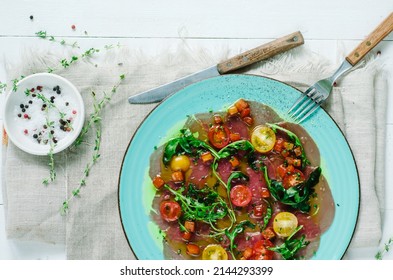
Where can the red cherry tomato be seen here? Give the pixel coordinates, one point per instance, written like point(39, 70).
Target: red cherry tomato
point(170, 210)
point(293, 179)
point(240, 195)
point(260, 250)
point(219, 136)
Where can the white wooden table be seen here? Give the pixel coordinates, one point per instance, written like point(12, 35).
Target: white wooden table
point(154, 25)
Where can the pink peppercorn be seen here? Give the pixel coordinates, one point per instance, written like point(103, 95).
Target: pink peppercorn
point(74, 112)
point(25, 131)
point(39, 88)
point(73, 27)
point(32, 90)
point(26, 116)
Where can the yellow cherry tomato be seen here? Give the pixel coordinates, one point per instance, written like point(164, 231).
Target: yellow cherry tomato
point(214, 252)
point(263, 138)
point(180, 163)
point(284, 224)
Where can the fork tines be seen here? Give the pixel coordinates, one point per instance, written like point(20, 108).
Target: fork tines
point(305, 105)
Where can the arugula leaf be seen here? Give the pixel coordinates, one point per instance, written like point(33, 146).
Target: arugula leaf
point(268, 216)
point(233, 148)
point(185, 143)
point(297, 196)
point(291, 247)
point(239, 228)
point(208, 208)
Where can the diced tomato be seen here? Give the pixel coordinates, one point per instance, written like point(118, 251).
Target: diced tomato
point(265, 193)
point(240, 195)
point(297, 162)
point(234, 161)
point(177, 176)
point(282, 170)
point(193, 249)
point(186, 235)
point(290, 169)
point(288, 145)
point(248, 120)
point(247, 253)
point(245, 112)
point(268, 233)
point(217, 119)
point(158, 182)
point(190, 226)
point(219, 136)
point(234, 137)
point(259, 210)
point(279, 146)
point(207, 156)
point(170, 210)
point(285, 153)
point(241, 104)
point(298, 151)
point(260, 250)
point(289, 160)
point(293, 179)
point(232, 111)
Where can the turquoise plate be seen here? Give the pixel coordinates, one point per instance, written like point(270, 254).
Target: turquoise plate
point(136, 191)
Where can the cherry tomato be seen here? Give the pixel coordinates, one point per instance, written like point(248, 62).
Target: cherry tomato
point(240, 195)
point(293, 179)
point(261, 251)
point(170, 210)
point(180, 163)
point(284, 224)
point(263, 138)
point(214, 252)
point(219, 136)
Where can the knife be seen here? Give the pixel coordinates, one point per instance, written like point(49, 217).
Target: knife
point(242, 60)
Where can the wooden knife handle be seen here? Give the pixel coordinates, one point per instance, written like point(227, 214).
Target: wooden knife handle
point(262, 52)
point(371, 41)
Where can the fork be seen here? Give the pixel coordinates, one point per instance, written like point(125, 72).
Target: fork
point(316, 94)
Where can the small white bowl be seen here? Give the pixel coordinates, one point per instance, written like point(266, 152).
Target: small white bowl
point(28, 128)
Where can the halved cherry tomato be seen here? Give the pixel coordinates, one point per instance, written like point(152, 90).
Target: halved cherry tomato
point(263, 138)
point(219, 136)
point(293, 178)
point(240, 195)
point(261, 251)
point(214, 252)
point(284, 224)
point(170, 210)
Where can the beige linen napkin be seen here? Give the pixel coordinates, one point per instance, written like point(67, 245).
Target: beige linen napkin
point(92, 228)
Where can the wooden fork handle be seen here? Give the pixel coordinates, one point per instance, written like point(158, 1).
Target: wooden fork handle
point(262, 52)
point(371, 41)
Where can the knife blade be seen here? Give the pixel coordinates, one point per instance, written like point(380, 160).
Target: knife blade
point(239, 61)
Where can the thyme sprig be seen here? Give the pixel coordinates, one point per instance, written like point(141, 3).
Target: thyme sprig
point(95, 116)
point(52, 171)
point(385, 249)
point(45, 36)
point(63, 63)
point(95, 119)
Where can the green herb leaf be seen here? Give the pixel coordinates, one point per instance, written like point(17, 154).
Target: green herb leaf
point(239, 228)
point(297, 196)
point(291, 247)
